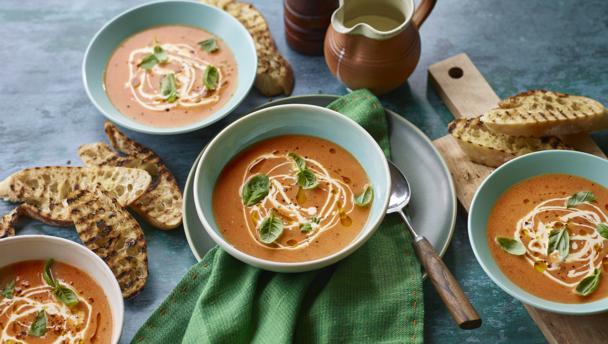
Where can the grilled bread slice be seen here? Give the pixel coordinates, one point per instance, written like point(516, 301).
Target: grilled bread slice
point(9, 221)
point(113, 234)
point(541, 113)
point(493, 149)
point(161, 205)
point(274, 74)
point(45, 188)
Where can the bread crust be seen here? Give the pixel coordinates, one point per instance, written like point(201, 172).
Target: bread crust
point(539, 113)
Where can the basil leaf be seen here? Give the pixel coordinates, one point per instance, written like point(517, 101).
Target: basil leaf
point(306, 179)
point(298, 160)
point(209, 45)
point(66, 295)
point(559, 240)
point(305, 228)
point(148, 62)
point(602, 228)
point(168, 88)
point(589, 284)
point(511, 246)
point(366, 197)
point(38, 326)
point(256, 188)
point(211, 77)
point(47, 274)
point(271, 229)
point(160, 54)
point(9, 289)
point(580, 198)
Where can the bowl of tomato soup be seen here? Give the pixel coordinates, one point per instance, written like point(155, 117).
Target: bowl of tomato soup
point(169, 67)
point(538, 226)
point(53, 290)
point(292, 188)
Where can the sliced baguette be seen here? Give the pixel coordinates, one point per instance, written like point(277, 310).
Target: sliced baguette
point(161, 205)
point(113, 234)
point(493, 149)
point(541, 113)
point(274, 74)
point(46, 188)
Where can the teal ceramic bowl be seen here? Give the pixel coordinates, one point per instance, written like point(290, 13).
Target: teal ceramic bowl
point(566, 162)
point(284, 120)
point(188, 13)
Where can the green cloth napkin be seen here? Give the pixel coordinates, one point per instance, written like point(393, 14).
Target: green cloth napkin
point(372, 296)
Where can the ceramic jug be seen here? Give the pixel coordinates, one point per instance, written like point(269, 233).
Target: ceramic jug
point(375, 44)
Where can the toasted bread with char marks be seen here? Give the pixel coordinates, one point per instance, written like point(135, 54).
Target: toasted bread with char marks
point(113, 234)
point(539, 113)
point(161, 205)
point(46, 188)
point(493, 149)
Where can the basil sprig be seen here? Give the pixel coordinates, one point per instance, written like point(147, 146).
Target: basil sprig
point(602, 229)
point(589, 284)
point(158, 56)
point(168, 88)
point(61, 292)
point(511, 246)
point(305, 178)
point(580, 198)
point(211, 77)
point(271, 228)
point(366, 197)
point(9, 289)
point(559, 240)
point(256, 188)
point(38, 326)
point(209, 45)
point(307, 227)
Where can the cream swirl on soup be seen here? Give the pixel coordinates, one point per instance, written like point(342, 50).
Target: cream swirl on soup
point(312, 221)
point(188, 72)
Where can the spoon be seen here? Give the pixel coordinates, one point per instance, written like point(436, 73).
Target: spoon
point(446, 285)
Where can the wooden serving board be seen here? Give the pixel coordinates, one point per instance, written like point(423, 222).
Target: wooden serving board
point(466, 93)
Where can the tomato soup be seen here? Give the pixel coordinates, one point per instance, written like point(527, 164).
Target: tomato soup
point(52, 302)
point(292, 198)
point(549, 233)
point(170, 76)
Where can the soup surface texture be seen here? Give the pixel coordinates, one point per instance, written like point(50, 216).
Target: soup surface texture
point(170, 76)
point(74, 309)
point(557, 222)
point(295, 216)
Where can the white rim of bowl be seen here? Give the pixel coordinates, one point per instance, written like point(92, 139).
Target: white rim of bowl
point(107, 272)
point(299, 266)
point(146, 129)
point(523, 295)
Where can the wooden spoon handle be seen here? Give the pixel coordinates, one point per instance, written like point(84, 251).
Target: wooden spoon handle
point(447, 286)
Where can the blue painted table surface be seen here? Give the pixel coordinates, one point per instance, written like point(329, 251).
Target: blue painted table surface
point(517, 45)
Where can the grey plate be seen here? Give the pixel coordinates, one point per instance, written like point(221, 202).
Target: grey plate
point(433, 205)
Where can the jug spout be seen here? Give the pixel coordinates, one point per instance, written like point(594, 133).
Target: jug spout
point(379, 20)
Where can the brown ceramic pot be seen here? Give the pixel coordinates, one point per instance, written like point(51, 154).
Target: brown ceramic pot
point(306, 22)
point(375, 45)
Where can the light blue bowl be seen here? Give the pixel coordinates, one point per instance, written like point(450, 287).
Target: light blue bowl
point(284, 120)
point(188, 13)
point(566, 162)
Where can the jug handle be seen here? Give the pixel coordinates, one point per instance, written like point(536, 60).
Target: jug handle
point(422, 12)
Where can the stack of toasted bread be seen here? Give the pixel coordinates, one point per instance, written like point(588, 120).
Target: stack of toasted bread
point(527, 122)
point(94, 199)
